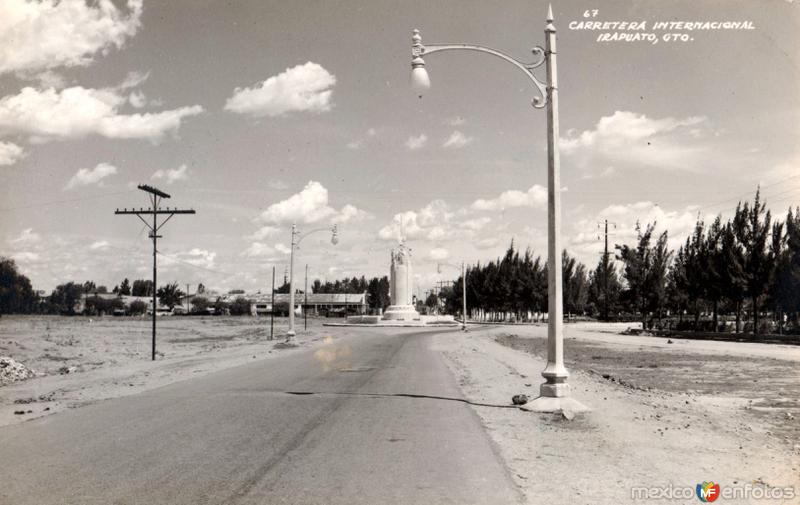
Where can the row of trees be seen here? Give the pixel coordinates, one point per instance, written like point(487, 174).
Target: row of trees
point(749, 263)
point(377, 289)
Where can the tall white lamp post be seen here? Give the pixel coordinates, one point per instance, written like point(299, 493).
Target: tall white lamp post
point(554, 392)
point(297, 237)
point(463, 290)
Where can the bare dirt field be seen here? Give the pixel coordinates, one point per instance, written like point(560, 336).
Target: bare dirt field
point(80, 360)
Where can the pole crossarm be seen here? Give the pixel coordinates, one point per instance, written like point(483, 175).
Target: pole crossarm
point(151, 212)
point(538, 102)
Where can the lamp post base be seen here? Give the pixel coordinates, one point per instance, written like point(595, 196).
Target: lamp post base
point(556, 405)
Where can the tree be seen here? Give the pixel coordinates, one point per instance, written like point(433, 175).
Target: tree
point(137, 307)
point(65, 297)
point(645, 270)
point(142, 287)
point(575, 284)
point(16, 293)
point(125, 287)
point(170, 295)
point(785, 288)
point(604, 288)
point(733, 281)
point(752, 231)
point(200, 304)
point(240, 306)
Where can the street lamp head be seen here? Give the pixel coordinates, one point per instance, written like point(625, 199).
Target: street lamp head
point(420, 82)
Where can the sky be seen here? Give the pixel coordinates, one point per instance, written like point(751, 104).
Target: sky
point(260, 114)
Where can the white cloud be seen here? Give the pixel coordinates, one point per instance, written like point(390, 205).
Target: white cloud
point(455, 121)
point(77, 112)
point(630, 139)
point(137, 99)
point(438, 254)
point(304, 88)
point(457, 140)
point(259, 250)
point(202, 258)
point(372, 132)
point(587, 244)
point(87, 176)
point(487, 243)
point(283, 249)
point(102, 244)
point(24, 256)
point(10, 153)
point(356, 144)
point(309, 206)
point(535, 197)
point(28, 236)
point(418, 142)
point(476, 224)
point(41, 35)
point(432, 222)
point(350, 213)
point(264, 232)
point(171, 175)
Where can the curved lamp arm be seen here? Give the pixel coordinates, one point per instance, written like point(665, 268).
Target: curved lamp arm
point(334, 229)
point(418, 50)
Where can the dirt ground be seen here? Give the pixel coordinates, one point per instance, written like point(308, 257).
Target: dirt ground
point(80, 360)
point(674, 414)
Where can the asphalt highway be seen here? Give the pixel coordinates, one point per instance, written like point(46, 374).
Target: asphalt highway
point(365, 419)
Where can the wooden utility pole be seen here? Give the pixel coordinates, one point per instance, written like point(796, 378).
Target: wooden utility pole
point(272, 308)
point(156, 196)
point(605, 268)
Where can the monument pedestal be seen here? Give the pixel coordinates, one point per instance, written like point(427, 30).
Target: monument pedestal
point(401, 313)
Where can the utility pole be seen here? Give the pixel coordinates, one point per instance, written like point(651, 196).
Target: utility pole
point(605, 267)
point(305, 302)
point(187, 298)
point(272, 308)
point(156, 196)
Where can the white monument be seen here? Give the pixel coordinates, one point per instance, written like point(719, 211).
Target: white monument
point(401, 287)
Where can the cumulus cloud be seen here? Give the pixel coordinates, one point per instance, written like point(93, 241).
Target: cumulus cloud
point(202, 258)
point(137, 99)
point(309, 206)
point(283, 249)
point(432, 222)
point(87, 176)
point(535, 197)
point(101, 244)
point(457, 140)
point(304, 88)
point(418, 142)
point(42, 35)
point(586, 244)
point(10, 153)
point(78, 112)
point(438, 254)
point(264, 232)
point(629, 139)
point(27, 237)
point(171, 175)
point(259, 250)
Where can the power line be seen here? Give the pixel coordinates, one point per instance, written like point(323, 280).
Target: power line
point(67, 200)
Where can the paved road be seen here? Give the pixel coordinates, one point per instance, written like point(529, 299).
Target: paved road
point(236, 436)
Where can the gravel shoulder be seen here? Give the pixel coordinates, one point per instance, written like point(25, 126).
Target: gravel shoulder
point(695, 416)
